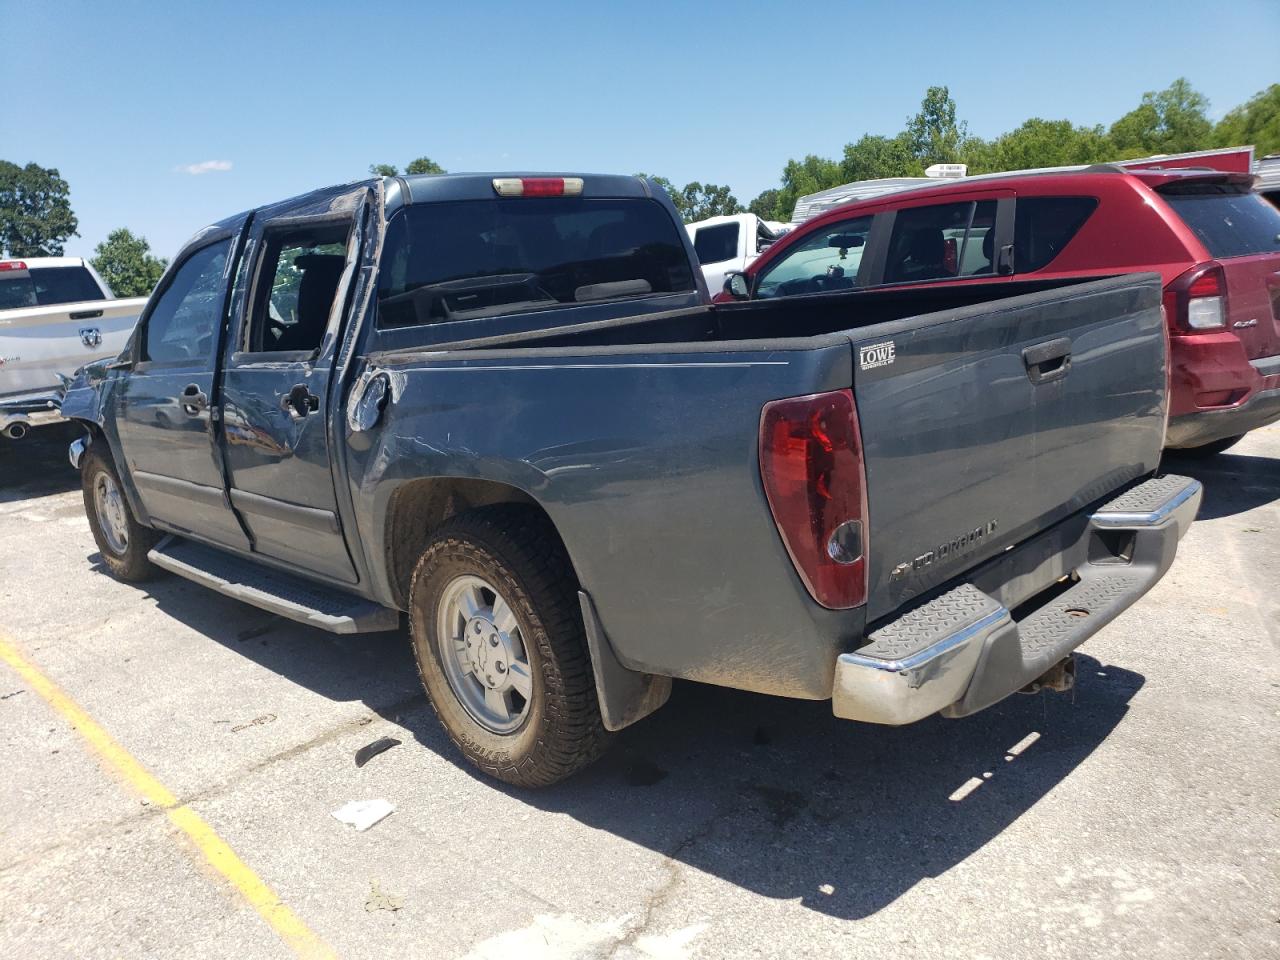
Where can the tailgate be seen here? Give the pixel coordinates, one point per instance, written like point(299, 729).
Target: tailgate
point(983, 426)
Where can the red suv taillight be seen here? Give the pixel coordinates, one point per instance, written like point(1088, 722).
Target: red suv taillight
point(815, 481)
point(1197, 300)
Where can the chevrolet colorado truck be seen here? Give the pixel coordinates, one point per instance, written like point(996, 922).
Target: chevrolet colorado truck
point(56, 314)
point(501, 409)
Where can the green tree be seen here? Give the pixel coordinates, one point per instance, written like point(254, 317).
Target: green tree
point(765, 206)
point(1172, 120)
point(1256, 122)
point(420, 165)
point(126, 263)
point(698, 201)
point(803, 177)
point(423, 165)
point(35, 211)
point(933, 134)
point(874, 157)
point(1039, 143)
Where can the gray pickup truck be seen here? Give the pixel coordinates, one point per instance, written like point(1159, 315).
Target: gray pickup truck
point(501, 408)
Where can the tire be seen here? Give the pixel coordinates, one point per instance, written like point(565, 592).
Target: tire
point(122, 540)
point(556, 730)
point(1210, 449)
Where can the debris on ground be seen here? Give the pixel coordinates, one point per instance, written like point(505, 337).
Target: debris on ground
point(381, 901)
point(14, 694)
point(363, 814)
point(371, 750)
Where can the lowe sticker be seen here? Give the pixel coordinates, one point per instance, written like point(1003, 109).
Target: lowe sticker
point(876, 355)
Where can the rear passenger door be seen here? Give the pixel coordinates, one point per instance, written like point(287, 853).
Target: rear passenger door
point(967, 237)
point(291, 305)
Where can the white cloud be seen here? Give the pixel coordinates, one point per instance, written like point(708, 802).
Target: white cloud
point(204, 166)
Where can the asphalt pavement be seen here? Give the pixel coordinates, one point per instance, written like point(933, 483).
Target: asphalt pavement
point(1137, 816)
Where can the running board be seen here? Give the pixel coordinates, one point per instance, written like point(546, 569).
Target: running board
point(272, 590)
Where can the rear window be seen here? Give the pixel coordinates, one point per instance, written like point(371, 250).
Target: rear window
point(477, 258)
point(1043, 226)
point(1229, 219)
point(716, 244)
point(46, 286)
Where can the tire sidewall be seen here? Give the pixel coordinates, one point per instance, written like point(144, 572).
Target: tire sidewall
point(442, 563)
point(132, 564)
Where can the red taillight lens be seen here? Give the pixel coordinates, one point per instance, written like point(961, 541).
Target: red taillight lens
point(12, 265)
point(538, 186)
point(1207, 284)
point(811, 465)
point(1196, 301)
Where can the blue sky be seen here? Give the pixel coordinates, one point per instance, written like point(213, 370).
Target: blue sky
point(280, 97)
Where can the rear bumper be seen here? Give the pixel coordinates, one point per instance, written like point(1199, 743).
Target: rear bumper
point(1206, 426)
point(1217, 392)
point(964, 650)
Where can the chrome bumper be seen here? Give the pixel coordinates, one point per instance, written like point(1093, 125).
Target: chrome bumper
point(964, 651)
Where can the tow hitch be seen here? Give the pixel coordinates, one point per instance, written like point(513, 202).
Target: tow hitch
point(1059, 678)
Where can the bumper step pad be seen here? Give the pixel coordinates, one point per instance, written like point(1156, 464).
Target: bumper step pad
point(272, 590)
point(963, 651)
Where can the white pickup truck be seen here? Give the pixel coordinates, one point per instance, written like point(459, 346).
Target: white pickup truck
point(731, 243)
point(56, 315)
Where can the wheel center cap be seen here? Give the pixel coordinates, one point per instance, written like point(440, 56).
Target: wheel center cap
point(487, 653)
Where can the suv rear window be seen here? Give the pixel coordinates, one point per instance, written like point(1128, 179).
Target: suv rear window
point(46, 286)
point(476, 258)
point(1229, 218)
point(1043, 226)
point(716, 244)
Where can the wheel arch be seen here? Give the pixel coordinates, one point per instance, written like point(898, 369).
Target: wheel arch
point(418, 507)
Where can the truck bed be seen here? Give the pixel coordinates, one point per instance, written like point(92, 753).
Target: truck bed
point(640, 438)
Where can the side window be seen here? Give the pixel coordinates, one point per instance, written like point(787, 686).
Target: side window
point(828, 259)
point(1043, 226)
point(941, 242)
point(297, 281)
point(716, 244)
point(183, 326)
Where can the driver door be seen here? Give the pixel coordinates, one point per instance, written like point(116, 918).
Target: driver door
point(167, 414)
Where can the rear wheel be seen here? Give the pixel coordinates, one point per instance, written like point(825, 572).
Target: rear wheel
point(122, 540)
point(497, 632)
point(1211, 449)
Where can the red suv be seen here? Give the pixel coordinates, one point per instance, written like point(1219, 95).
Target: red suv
point(1215, 244)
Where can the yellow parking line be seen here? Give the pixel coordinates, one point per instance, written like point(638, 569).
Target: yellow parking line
point(215, 850)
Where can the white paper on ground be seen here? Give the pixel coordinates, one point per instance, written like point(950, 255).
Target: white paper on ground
point(363, 814)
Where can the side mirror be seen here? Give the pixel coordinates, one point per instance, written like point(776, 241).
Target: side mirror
point(736, 285)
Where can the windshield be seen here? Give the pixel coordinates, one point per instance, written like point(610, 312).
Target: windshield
point(1229, 219)
point(465, 259)
point(45, 286)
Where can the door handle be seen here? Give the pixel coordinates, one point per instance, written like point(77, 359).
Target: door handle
point(1046, 362)
point(193, 400)
point(84, 315)
point(300, 401)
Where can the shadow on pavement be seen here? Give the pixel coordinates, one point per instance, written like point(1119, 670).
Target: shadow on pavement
point(37, 465)
point(1233, 483)
point(776, 796)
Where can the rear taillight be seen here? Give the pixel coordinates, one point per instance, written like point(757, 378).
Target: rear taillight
point(814, 478)
point(12, 265)
point(537, 186)
point(1197, 300)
